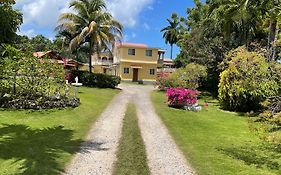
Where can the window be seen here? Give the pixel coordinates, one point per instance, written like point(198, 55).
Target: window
point(148, 53)
point(126, 70)
point(152, 71)
point(131, 52)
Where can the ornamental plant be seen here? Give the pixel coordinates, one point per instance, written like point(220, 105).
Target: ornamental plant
point(164, 81)
point(179, 97)
point(248, 80)
point(189, 77)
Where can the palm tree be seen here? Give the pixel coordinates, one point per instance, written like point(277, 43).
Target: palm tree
point(171, 32)
point(90, 23)
point(236, 17)
point(272, 11)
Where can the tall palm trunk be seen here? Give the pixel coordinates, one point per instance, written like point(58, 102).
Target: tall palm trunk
point(271, 39)
point(171, 51)
point(90, 56)
point(274, 42)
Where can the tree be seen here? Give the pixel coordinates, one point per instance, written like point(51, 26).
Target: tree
point(238, 19)
point(41, 43)
point(10, 20)
point(171, 32)
point(92, 24)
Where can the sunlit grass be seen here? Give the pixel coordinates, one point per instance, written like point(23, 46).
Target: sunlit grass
point(218, 142)
point(43, 142)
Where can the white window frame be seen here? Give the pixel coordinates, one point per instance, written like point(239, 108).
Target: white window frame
point(148, 53)
point(131, 51)
point(151, 71)
point(126, 70)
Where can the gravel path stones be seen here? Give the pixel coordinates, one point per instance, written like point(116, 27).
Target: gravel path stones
point(164, 158)
point(97, 154)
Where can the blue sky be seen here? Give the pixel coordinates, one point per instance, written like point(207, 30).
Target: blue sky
point(142, 19)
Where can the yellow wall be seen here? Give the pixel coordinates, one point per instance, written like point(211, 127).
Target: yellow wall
point(143, 72)
point(98, 69)
point(139, 55)
point(123, 60)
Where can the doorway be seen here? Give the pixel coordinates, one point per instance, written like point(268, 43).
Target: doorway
point(135, 74)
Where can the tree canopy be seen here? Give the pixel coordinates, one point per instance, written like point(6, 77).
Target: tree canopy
point(90, 23)
point(10, 20)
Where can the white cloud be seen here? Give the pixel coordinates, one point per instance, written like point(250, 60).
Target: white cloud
point(127, 11)
point(42, 13)
point(150, 8)
point(30, 33)
point(129, 37)
point(146, 26)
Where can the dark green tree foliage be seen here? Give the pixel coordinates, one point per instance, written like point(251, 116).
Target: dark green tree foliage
point(213, 28)
point(41, 43)
point(10, 20)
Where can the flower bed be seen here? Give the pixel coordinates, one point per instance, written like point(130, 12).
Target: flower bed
point(180, 97)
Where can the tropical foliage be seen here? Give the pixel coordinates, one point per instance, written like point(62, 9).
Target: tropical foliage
point(10, 20)
point(215, 27)
point(98, 80)
point(171, 32)
point(267, 124)
point(89, 23)
point(246, 81)
point(190, 77)
point(29, 83)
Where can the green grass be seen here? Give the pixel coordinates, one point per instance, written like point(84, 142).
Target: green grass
point(218, 142)
point(131, 152)
point(43, 142)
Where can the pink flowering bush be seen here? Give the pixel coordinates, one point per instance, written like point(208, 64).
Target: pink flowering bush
point(179, 97)
point(164, 81)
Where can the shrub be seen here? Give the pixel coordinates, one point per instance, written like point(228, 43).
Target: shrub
point(164, 81)
point(179, 97)
point(246, 81)
point(27, 82)
point(268, 123)
point(96, 79)
point(189, 77)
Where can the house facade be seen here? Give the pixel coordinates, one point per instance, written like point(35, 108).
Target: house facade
point(132, 62)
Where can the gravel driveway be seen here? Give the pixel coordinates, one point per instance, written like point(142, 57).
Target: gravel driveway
point(98, 153)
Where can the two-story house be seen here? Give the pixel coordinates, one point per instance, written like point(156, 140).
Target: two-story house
point(132, 62)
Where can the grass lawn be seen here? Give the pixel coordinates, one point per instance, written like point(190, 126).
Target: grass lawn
point(131, 152)
point(43, 142)
point(218, 142)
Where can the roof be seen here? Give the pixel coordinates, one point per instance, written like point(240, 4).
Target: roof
point(49, 53)
point(135, 45)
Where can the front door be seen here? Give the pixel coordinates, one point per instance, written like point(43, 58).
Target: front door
point(135, 74)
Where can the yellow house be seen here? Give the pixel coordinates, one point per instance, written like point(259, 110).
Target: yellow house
point(132, 62)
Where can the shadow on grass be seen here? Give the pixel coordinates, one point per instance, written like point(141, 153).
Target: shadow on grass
point(261, 156)
point(38, 149)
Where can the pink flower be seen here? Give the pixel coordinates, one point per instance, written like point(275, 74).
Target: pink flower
point(181, 96)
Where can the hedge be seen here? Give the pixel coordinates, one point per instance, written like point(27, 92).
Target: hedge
point(95, 79)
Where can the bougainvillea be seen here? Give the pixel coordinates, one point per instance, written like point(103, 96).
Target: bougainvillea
point(163, 81)
point(179, 97)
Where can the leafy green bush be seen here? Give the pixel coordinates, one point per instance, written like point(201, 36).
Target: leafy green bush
point(189, 77)
point(27, 82)
point(164, 81)
point(246, 81)
point(267, 125)
point(96, 80)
